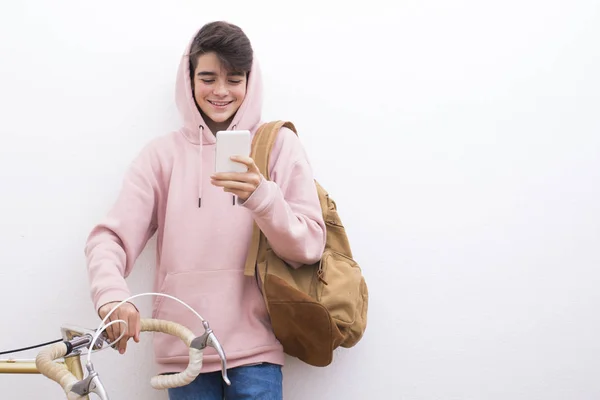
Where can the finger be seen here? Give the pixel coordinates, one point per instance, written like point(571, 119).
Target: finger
point(134, 326)
point(111, 330)
point(251, 178)
point(231, 176)
point(251, 175)
point(123, 341)
point(239, 186)
point(120, 329)
point(117, 328)
point(248, 162)
point(241, 195)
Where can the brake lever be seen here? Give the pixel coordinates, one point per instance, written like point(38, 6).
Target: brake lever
point(208, 338)
point(90, 384)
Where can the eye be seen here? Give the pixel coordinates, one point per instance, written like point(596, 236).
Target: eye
point(235, 82)
point(208, 80)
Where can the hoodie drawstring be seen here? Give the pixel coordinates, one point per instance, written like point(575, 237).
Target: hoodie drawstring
point(200, 165)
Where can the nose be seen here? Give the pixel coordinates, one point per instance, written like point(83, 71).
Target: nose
point(220, 89)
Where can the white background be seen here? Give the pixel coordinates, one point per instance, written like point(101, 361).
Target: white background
point(461, 141)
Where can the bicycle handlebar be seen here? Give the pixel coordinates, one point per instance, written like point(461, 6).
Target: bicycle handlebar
point(57, 372)
point(45, 361)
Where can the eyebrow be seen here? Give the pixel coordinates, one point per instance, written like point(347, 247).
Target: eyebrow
point(210, 73)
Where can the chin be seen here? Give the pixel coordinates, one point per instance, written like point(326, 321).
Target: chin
point(220, 118)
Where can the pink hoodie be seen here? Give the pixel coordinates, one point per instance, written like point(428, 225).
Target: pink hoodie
point(202, 244)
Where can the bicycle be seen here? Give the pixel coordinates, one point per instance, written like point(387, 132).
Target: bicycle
point(69, 375)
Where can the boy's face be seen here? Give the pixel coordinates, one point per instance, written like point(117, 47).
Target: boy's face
point(218, 92)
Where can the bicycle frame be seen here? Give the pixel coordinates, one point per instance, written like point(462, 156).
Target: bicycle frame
point(73, 364)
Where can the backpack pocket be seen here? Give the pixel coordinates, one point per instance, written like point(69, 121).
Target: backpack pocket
point(339, 287)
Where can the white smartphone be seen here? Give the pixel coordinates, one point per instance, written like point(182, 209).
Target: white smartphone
point(232, 143)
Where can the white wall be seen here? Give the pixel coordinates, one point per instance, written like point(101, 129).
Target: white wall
point(460, 139)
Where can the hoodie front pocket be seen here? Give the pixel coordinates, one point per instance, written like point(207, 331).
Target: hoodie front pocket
point(192, 289)
point(230, 302)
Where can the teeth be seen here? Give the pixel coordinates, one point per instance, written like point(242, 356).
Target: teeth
point(219, 103)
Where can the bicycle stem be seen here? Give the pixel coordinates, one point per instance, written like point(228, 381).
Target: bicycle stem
point(76, 339)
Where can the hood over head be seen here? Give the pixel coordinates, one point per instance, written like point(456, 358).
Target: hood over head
point(194, 128)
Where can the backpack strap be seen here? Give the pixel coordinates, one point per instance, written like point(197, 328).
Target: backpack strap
point(262, 144)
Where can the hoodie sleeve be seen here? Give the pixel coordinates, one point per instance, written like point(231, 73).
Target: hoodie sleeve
point(287, 207)
point(115, 243)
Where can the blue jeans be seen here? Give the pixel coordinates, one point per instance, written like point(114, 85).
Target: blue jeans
point(260, 382)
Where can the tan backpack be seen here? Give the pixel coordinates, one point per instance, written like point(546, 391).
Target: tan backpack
point(315, 308)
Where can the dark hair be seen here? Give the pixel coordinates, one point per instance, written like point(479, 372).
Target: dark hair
point(227, 41)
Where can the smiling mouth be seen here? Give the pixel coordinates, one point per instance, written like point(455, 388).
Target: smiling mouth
point(220, 103)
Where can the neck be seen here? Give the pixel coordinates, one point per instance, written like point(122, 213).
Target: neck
point(216, 126)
